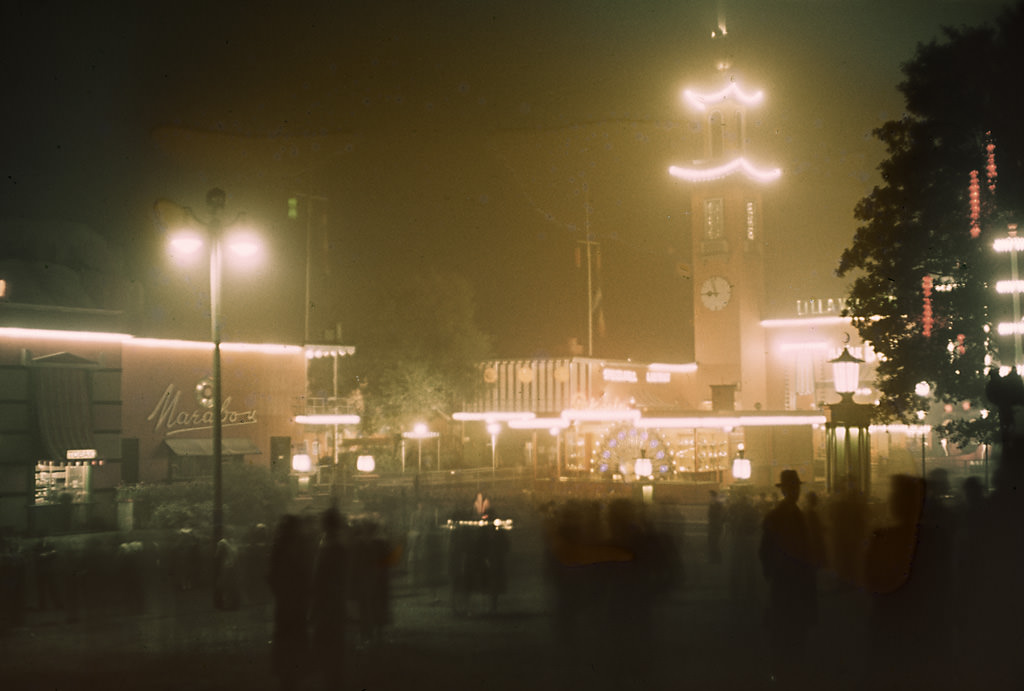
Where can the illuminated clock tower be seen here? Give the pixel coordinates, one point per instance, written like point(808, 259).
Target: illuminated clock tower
point(728, 245)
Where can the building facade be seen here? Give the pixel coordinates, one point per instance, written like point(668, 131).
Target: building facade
point(84, 411)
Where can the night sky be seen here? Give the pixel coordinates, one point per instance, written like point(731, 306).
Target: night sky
point(468, 136)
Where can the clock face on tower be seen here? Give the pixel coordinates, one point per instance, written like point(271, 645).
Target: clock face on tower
point(715, 293)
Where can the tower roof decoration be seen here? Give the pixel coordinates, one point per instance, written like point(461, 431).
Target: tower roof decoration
point(717, 172)
point(725, 136)
point(702, 101)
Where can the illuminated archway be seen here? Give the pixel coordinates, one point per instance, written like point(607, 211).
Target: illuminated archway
point(619, 448)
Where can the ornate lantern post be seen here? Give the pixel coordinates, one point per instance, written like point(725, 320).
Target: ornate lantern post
point(847, 425)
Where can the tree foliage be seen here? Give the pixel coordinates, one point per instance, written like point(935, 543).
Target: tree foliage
point(961, 94)
point(419, 350)
point(250, 496)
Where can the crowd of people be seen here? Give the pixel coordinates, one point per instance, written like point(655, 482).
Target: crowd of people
point(932, 572)
point(929, 567)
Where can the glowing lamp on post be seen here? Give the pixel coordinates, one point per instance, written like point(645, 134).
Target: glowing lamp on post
point(493, 428)
point(642, 467)
point(365, 464)
point(847, 424)
point(187, 234)
point(741, 465)
point(846, 373)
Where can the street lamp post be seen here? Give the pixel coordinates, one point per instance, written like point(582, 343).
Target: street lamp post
point(556, 432)
point(847, 425)
point(419, 432)
point(493, 428)
point(171, 216)
point(924, 467)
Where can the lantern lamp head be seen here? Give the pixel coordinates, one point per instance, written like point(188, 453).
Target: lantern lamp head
point(846, 372)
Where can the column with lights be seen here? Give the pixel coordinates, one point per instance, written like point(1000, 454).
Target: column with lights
point(1012, 244)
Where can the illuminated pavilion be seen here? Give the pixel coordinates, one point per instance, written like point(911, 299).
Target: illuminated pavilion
point(758, 389)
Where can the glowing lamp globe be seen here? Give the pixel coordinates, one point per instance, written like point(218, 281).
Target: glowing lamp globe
point(846, 372)
point(302, 463)
point(365, 464)
point(642, 467)
point(741, 468)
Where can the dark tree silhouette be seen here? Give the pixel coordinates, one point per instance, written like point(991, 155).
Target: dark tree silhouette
point(960, 99)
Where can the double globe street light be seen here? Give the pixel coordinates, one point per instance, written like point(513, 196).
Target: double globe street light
point(187, 234)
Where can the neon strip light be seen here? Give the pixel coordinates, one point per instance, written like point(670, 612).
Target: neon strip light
point(600, 414)
point(611, 374)
point(421, 435)
point(730, 422)
point(1010, 286)
point(1010, 244)
point(701, 101)
point(327, 419)
point(666, 367)
point(806, 321)
point(53, 334)
point(909, 430)
point(539, 423)
point(801, 347)
point(725, 170)
point(172, 343)
point(269, 348)
point(1008, 328)
point(493, 416)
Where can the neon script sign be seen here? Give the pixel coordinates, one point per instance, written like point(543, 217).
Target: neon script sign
point(167, 416)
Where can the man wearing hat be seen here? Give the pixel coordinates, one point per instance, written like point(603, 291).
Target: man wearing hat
point(789, 570)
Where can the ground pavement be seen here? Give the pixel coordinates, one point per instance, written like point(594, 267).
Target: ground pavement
point(699, 639)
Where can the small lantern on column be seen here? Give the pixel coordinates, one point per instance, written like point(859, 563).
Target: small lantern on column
point(847, 424)
point(740, 465)
point(846, 373)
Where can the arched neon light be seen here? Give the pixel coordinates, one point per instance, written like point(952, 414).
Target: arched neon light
point(725, 170)
point(701, 101)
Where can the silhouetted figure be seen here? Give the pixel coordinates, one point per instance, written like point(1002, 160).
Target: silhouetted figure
point(971, 566)
point(1005, 393)
point(934, 562)
point(185, 559)
point(46, 562)
point(13, 584)
point(632, 582)
point(901, 624)
point(420, 523)
point(578, 553)
point(743, 524)
point(716, 526)
point(131, 568)
point(290, 579)
point(227, 575)
point(255, 561)
point(329, 601)
point(786, 562)
point(847, 520)
point(815, 532)
point(372, 559)
point(430, 566)
point(481, 506)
